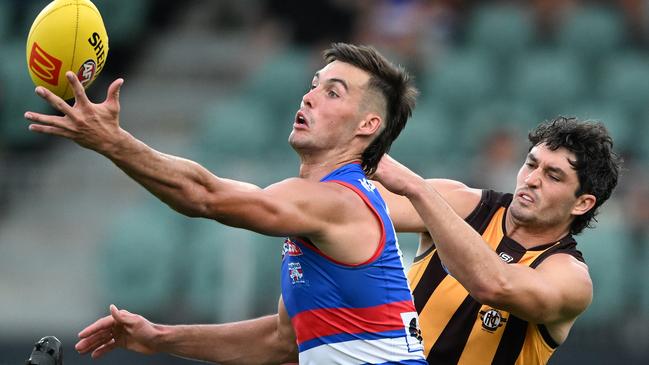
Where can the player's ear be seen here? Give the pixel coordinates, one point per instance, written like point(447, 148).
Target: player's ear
point(371, 124)
point(584, 203)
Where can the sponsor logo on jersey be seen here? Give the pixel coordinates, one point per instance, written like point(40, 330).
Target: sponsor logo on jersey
point(295, 273)
point(505, 257)
point(491, 320)
point(87, 72)
point(367, 185)
point(413, 332)
point(45, 66)
point(290, 248)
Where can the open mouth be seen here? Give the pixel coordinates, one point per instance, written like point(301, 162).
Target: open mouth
point(526, 197)
point(300, 119)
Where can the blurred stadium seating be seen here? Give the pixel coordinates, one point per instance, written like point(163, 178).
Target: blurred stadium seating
point(592, 34)
point(500, 73)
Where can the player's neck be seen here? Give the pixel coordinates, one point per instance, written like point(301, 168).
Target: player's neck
point(530, 236)
point(313, 168)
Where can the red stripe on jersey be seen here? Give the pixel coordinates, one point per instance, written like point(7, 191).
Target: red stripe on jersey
point(330, 321)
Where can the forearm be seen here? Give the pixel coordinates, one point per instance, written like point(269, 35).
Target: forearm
point(460, 247)
point(180, 183)
point(255, 341)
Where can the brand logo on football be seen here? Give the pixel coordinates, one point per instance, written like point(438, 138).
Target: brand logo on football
point(45, 66)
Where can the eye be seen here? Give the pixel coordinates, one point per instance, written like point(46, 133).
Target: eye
point(313, 86)
point(554, 178)
point(332, 94)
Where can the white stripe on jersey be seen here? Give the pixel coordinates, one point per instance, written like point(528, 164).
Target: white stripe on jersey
point(363, 352)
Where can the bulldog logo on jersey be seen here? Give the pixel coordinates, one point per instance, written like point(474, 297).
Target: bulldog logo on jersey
point(295, 273)
point(367, 185)
point(290, 248)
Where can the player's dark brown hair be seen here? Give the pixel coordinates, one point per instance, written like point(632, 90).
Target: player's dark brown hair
point(596, 164)
point(389, 80)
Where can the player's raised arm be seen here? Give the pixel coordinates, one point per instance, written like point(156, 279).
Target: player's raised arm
point(294, 206)
point(461, 198)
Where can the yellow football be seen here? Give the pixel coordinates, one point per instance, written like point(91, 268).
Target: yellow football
point(67, 35)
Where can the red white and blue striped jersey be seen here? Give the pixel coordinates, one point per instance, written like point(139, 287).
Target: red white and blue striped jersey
point(351, 314)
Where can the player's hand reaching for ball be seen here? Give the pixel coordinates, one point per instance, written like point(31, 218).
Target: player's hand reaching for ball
point(94, 126)
point(119, 329)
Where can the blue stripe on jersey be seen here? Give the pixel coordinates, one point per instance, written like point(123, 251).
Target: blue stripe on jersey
point(350, 284)
point(311, 281)
point(342, 337)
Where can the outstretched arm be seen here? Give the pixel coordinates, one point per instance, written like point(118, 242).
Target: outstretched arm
point(181, 183)
point(265, 340)
point(292, 207)
point(557, 291)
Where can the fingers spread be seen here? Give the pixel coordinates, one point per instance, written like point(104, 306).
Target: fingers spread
point(46, 129)
point(52, 120)
point(113, 91)
point(79, 92)
point(55, 101)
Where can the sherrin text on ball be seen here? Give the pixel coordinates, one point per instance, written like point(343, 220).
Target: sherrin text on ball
point(66, 35)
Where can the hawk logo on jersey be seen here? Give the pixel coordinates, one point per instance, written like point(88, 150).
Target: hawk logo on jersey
point(290, 248)
point(491, 320)
point(367, 185)
point(295, 273)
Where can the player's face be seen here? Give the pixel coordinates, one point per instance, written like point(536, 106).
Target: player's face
point(330, 110)
point(545, 188)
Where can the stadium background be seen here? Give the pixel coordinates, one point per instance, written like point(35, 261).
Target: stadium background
point(219, 82)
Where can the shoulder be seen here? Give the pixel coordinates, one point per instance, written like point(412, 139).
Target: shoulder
point(565, 263)
point(326, 196)
point(459, 196)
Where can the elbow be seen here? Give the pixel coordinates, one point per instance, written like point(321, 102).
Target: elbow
point(200, 203)
point(491, 292)
point(288, 352)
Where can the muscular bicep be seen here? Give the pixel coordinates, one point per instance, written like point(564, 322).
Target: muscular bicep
point(403, 215)
point(558, 290)
point(290, 207)
point(462, 199)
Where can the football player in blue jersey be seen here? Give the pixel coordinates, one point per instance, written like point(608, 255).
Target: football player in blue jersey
point(357, 104)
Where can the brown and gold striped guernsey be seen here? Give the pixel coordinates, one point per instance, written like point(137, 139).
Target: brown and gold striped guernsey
point(459, 330)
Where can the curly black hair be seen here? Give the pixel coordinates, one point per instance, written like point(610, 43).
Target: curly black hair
point(596, 164)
